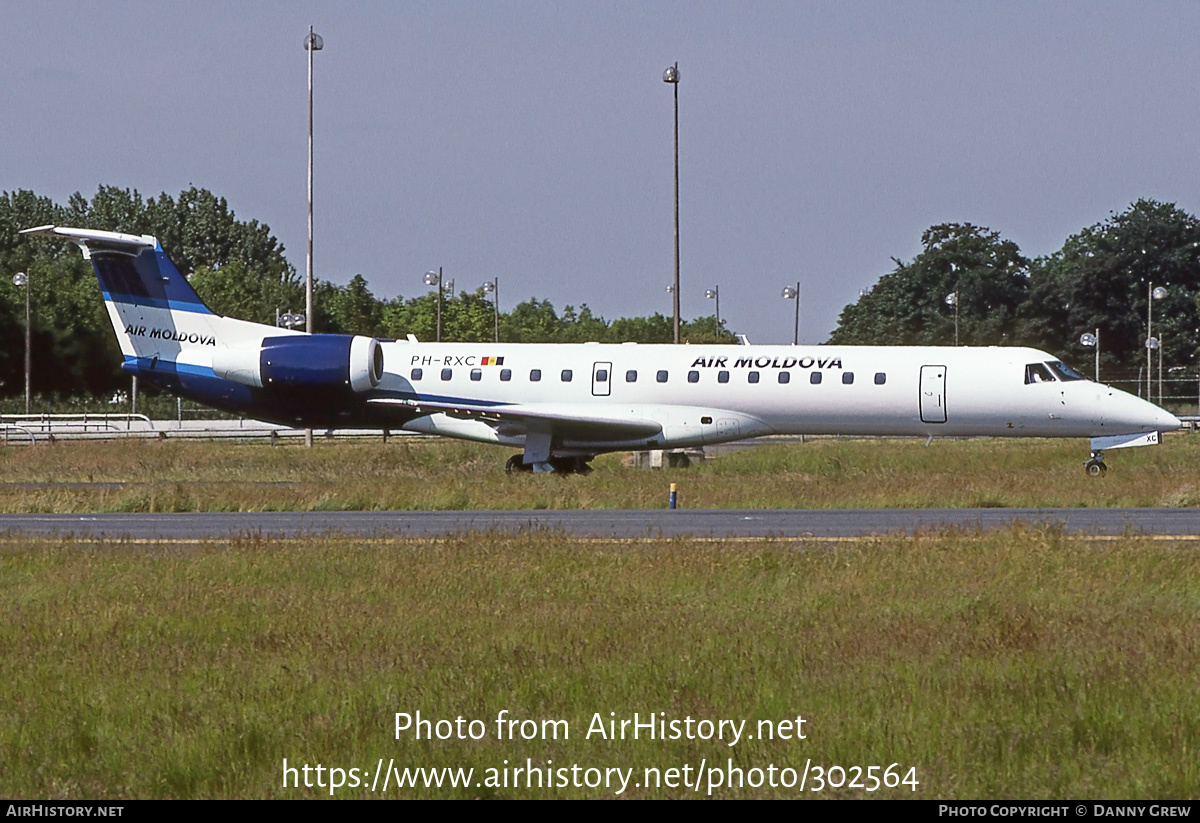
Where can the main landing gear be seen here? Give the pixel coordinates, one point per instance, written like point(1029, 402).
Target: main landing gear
point(559, 465)
point(1095, 465)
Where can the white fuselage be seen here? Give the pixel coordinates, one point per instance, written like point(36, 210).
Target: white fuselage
point(718, 393)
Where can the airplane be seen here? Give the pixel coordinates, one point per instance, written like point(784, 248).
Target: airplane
point(563, 404)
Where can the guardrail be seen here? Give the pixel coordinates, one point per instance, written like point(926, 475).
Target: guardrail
point(65, 425)
point(53, 427)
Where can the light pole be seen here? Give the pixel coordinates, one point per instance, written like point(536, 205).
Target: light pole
point(715, 294)
point(671, 75)
point(1089, 339)
point(22, 279)
point(1152, 294)
point(1162, 344)
point(952, 300)
point(493, 287)
point(790, 293)
point(312, 43)
point(434, 278)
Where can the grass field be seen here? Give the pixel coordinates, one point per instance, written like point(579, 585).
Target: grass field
point(1012, 664)
point(1016, 664)
point(422, 474)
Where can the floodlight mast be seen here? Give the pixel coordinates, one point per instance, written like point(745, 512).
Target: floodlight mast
point(671, 75)
point(1092, 339)
point(1152, 293)
point(312, 43)
point(715, 294)
point(493, 287)
point(790, 293)
point(434, 278)
point(21, 279)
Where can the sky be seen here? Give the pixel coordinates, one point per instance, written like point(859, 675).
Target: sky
point(533, 141)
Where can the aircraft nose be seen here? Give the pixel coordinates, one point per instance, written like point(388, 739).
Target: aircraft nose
point(1157, 418)
point(1130, 413)
point(1167, 421)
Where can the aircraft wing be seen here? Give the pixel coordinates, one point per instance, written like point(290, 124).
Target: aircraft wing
point(521, 418)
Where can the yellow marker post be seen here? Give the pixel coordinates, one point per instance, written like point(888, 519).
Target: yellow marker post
point(674, 496)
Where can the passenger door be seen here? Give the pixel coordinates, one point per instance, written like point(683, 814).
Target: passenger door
point(933, 394)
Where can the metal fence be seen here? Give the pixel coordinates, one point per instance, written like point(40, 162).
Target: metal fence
point(18, 429)
point(1178, 394)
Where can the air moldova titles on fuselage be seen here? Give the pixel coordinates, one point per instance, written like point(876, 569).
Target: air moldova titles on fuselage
point(768, 362)
point(171, 334)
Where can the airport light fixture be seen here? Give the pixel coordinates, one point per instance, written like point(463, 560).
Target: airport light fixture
point(1090, 340)
point(952, 300)
point(21, 280)
point(434, 278)
point(790, 293)
point(492, 287)
point(289, 319)
point(671, 75)
point(715, 294)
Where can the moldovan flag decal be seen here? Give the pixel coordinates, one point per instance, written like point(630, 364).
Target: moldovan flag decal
point(492, 361)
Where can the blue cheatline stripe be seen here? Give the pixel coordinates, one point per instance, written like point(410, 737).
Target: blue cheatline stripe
point(168, 366)
point(440, 398)
point(156, 303)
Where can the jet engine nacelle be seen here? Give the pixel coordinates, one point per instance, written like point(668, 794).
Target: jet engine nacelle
point(317, 362)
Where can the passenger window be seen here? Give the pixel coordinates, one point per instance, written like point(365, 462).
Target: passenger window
point(880, 378)
point(535, 375)
point(566, 375)
point(693, 377)
point(476, 374)
point(785, 376)
point(505, 375)
point(601, 375)
point(752, 377)
point(847, 377)
point(815, 378)
point(722, 377)
point(416, 374)
point(1038, 373)
point(447, 374)
point(661, 376)
point(631, 376)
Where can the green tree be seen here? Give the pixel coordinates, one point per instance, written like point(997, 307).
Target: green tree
point(703, 330)
point(354, 310)
point(908, 306)
point(231, 291)
point(534, 321)
point(1100, 280)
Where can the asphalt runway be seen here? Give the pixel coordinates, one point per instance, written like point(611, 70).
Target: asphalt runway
point(709, 523)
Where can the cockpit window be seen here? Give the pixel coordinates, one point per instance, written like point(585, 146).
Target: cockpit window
point(1064, 372)
point(1038, 373)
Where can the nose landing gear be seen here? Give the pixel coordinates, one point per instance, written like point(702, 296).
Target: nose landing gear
point(1095, 465)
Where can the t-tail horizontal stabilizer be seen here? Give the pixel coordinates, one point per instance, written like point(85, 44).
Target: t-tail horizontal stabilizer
point(132, 269)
